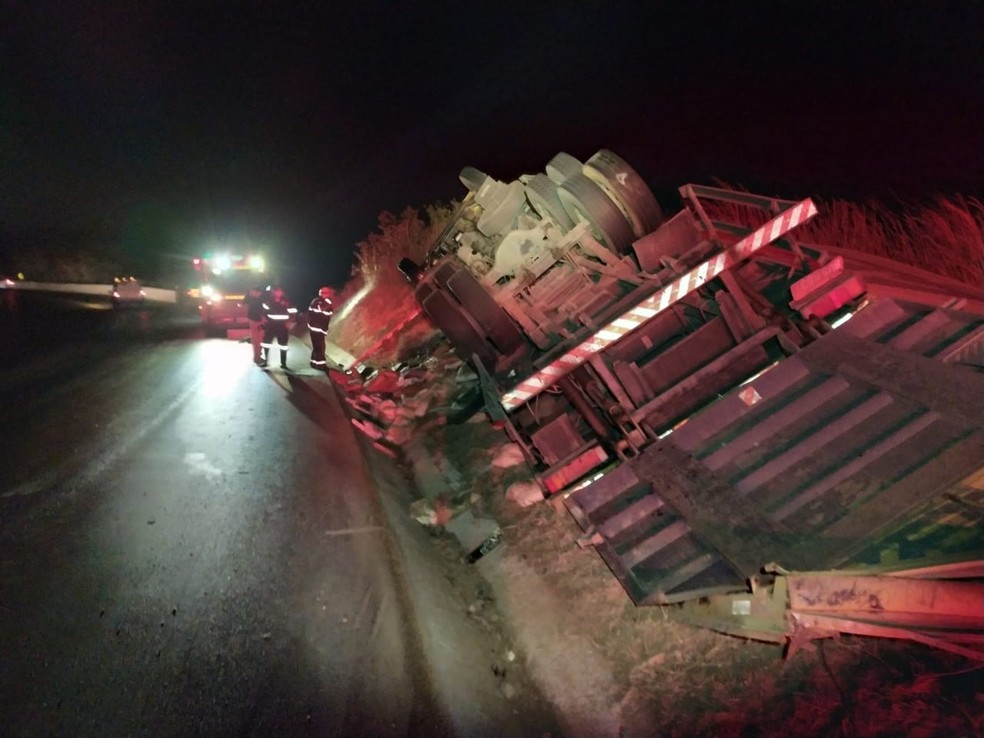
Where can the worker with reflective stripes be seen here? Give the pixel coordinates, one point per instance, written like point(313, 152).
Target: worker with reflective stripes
point(277, 313)
point(318, 318)
point(255, 313)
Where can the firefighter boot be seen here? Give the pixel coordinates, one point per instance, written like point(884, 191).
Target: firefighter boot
point(283, 359)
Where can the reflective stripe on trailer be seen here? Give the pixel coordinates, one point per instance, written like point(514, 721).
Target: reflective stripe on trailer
point(657, 303)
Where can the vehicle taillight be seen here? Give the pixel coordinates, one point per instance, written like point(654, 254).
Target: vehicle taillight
point(575, 469)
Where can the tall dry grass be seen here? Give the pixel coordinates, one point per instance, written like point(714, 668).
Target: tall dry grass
point(378, 299)
point(944, 235)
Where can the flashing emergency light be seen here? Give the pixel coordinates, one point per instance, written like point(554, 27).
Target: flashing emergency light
point(223, 262)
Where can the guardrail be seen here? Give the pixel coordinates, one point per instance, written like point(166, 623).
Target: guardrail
point(152, 294)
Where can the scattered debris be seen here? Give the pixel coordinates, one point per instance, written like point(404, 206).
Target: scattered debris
point(509, 455)
point(524, 494)
point(488, 545)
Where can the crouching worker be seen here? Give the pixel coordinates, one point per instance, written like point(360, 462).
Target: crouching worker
point(319, 317)
point(277, 313)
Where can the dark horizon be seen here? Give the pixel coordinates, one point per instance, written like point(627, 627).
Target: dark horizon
point(151, 125)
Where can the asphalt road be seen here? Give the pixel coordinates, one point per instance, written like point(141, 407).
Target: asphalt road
point(185, 546)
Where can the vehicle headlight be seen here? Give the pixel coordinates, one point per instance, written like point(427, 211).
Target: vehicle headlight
point(215, 297)
point(207, 290)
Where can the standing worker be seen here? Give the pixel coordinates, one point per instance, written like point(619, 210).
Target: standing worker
point(319, 316)
point(255, 298)
point(277, 314)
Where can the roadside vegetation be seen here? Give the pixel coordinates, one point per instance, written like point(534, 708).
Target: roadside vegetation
point(379, 317)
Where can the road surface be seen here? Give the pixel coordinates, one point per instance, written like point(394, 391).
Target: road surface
point(187, 547)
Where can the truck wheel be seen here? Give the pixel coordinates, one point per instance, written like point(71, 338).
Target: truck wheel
point(442, 275)
point(621, 183)
point(582, 198)
point(562, 166)
point(479, 304)
point(543, 197)
point(486, 312)
point(445, 314)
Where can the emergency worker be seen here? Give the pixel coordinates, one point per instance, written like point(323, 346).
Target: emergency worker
point(319, 316)
point(255, 298)
point(277, 313)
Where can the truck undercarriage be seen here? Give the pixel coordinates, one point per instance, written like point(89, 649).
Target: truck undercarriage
point(785, 438)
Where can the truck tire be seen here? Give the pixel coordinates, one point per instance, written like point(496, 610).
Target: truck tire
point(446, 315)
point(542, 195)
point(561, 167)
point(444, 272)
point(621, 183)
point(479, 304)
point(582, 198)
point(485, 311)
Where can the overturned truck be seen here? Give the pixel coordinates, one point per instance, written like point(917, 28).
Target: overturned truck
point(786, 438)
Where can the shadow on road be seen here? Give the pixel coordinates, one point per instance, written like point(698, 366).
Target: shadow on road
point(317, 406)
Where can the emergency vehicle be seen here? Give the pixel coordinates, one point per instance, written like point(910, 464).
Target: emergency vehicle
point(222, 283)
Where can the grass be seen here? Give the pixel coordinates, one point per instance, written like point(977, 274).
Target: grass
point(378, 312)
point(944, 235)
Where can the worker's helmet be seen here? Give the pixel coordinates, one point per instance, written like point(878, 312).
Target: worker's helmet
point(325, 292)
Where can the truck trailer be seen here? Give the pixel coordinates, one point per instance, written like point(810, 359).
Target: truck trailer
point(741, 420)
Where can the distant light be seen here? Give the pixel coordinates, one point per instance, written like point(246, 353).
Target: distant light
point(214, 298)
point(207, 290)
point(223, 262)
point(257, 263)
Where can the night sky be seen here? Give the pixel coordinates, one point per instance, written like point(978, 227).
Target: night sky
point(292, 125)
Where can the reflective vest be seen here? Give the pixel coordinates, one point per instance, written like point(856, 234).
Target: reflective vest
point(319, 314)
point(278, 311)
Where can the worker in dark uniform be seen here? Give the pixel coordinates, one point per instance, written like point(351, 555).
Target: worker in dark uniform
point(278, 313)
point(254, 313)
point(319, 316)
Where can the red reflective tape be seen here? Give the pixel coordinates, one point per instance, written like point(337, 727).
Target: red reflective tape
point(658, 302)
